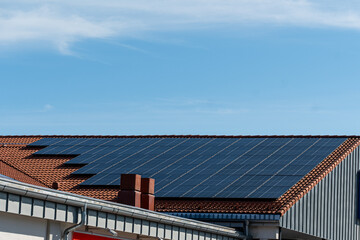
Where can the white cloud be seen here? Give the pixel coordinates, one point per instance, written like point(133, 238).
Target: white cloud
point(61, 23)
point(43, 24)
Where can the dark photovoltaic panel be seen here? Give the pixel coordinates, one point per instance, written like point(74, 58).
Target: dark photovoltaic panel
point(197, 167)
point(46, 142)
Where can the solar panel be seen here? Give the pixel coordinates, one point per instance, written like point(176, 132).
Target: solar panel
point(52, 150)
point(197, 167)
point(45, 142)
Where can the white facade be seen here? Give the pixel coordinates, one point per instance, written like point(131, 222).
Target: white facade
point(18, 227)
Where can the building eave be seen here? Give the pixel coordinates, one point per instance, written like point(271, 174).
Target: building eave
point(25, 199)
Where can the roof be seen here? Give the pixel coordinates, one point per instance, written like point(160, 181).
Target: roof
point(195, 167)
point(30, 200)
point(43, 170)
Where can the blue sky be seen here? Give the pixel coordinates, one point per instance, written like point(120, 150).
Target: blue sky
point(179, 67)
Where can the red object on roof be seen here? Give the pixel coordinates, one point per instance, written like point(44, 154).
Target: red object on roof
point(17, 162)
point(83, 236)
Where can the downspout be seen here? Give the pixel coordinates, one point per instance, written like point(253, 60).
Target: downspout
point(66, 232)
point(280, 233)
point(247, 233)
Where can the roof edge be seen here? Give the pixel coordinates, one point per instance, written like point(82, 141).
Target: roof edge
point(42, 184)
point(33, 191)
point(181, 136)
point(227, 216)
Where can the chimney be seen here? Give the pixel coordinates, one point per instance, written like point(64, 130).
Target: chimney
point(130, 187)
point(55, 185)
point(137, 191)
point(147, 193)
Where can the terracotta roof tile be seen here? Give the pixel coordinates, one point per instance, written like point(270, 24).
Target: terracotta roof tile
point(11, 172)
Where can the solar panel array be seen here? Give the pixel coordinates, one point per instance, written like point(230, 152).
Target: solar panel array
point(197, 167)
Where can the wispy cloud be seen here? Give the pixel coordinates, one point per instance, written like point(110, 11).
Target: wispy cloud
point(46, 25)
point(61, 23)
point(48, 107)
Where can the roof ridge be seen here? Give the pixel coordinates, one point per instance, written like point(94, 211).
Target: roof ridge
point(182, 136)
point(310, 180)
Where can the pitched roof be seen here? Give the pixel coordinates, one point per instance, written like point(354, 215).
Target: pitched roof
point(17, 161)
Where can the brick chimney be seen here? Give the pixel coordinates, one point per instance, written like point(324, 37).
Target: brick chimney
point(137, 191)
point(130, 187)
point(147, 193)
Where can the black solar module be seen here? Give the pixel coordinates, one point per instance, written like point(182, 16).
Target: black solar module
point(45, 142)
point(197, 167)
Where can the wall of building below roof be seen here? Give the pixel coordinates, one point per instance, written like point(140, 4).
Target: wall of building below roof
point(329, 210)
point(20, 227)
point(17, 227)
point(13, 203)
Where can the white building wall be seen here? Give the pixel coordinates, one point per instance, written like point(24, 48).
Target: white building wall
point(18, 227)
